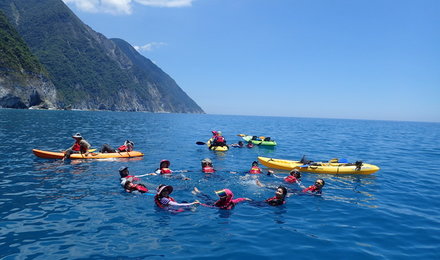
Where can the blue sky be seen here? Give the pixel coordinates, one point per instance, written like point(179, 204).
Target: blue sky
point(355, 59)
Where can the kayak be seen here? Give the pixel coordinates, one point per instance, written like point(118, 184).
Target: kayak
point(331, 167)
point(60, 155)
point(258, 140)
point(222, 148)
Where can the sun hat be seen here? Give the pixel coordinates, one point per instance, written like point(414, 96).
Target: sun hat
point(162, 187)
point(77, 135)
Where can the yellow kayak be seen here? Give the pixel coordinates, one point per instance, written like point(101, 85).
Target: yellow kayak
point(60, 155)
point(217, 148)
point(332, 167)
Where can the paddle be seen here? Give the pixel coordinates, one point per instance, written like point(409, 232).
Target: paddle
point(241, 135)
point(200, 143)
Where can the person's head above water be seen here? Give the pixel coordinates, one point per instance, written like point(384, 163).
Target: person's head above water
point(255, 163)
point(224, 194)
point(164, 190)
point(281, 192)
point(319, 183)
point(164, 164)
point(295, 173)
point(123, 171)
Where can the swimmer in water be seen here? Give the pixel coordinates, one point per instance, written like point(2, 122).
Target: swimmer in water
point(316, 188)
point(163, 199)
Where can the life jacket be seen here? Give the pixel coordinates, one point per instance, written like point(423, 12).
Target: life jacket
point(274, 201)
point(130, 178)
point(255, 170)
point(122, 148)
point(219, 139)
point(313, 188)
point(141, 188)
point(165, 171)
point(159, 204)
point(208, 169)
point(76, 147)
point(291, 179)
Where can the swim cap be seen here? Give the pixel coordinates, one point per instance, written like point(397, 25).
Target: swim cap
point(122, 168)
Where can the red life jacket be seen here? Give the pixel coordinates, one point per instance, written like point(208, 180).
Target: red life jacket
point(290, 179)
point(274, 201)
point(165, 171)
point(122, 148)
point(76, 147)
point(159, 204)
point(255, 170)
point(312, 188)
point(208, 169)
point(219, 139)
point(141, 188)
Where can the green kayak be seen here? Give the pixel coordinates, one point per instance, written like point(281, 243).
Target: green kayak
point(266, 141)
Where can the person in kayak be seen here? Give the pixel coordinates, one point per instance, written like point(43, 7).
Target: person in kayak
point(226, 199)
point(80, 146)
point(316, 188)
point(132, 187)
point(279, 198)
point(126, 147)
point(207, 166)
point(254, 168)
point(163, 199)
point(218, 140)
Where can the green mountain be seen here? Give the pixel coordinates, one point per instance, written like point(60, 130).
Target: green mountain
point(23, 79)
point(88, 70)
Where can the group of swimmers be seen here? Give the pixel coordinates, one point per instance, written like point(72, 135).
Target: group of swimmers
point(225, 199)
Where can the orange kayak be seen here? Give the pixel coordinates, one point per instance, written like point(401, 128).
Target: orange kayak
point(60, 155)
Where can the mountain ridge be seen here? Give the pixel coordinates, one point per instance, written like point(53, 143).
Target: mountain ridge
point(89, 70)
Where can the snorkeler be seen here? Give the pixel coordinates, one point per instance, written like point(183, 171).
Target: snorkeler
point(317, 187)
point(163, 199)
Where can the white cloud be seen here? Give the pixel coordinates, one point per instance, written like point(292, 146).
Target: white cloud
point(165, 3)
point(123, 6)
point(149, 46)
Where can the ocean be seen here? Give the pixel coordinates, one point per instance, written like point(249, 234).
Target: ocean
point(77, 209)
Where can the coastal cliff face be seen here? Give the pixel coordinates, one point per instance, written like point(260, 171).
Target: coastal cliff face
point(88, 70)
point(23, 82)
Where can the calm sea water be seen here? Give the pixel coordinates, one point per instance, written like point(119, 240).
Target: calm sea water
point(77, 210)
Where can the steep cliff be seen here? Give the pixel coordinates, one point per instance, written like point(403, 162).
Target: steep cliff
point(23, 80)
point(88, 70)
